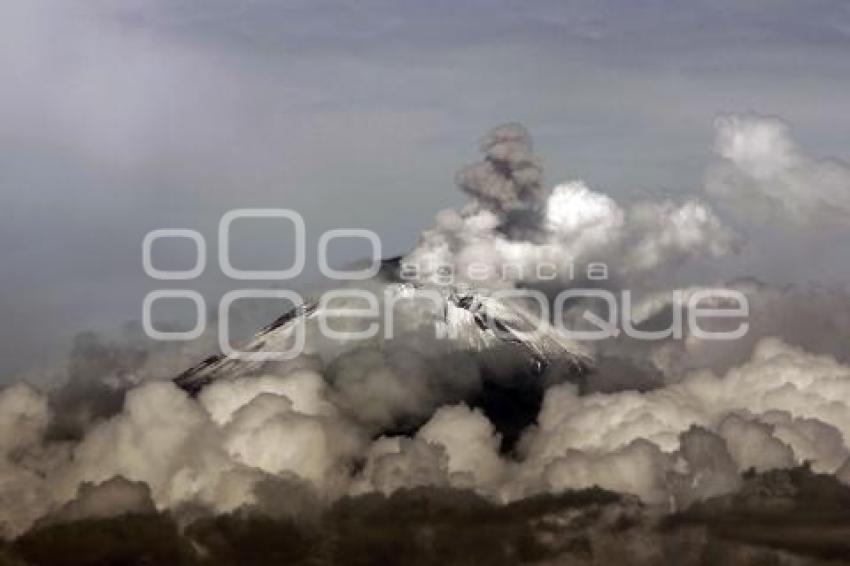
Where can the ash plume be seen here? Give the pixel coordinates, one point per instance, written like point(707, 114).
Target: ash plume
point(510, 177)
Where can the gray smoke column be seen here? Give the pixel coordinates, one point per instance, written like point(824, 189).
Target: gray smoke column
point(510, 176)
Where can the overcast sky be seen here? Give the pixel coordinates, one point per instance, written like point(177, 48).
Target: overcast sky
point(120, 117)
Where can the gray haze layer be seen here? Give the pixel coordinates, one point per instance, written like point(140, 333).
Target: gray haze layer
point(117, 118)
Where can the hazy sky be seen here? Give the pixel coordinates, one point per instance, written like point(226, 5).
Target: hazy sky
point(120, 117)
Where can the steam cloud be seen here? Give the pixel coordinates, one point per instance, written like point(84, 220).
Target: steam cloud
point(763, 172)
point(675, 423)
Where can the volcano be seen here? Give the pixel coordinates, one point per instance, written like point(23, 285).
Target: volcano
point(517, 353)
